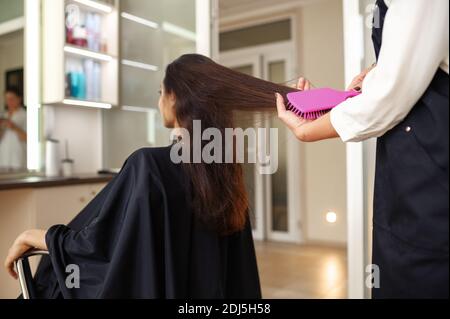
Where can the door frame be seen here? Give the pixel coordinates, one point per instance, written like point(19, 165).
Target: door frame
point(357, 202)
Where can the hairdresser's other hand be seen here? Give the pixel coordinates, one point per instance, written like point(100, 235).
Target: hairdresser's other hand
point(358, 80)
point(292, 121)
point(6, 123)
point(304, 85)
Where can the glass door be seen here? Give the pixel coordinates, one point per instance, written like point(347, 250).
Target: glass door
point(283, 188)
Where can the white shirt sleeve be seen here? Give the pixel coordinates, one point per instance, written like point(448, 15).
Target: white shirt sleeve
point(415, 45)
point(21, 119)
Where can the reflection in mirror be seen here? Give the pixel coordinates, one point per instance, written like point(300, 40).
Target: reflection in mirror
point(13, 118)
point(169, 30)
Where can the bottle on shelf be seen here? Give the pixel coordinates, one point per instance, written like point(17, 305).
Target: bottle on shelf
point(76, 80)
point(83, 79)
point(89, 71)
point(90, 31)
point(79, 37)
point(97, 31)
point(97, 80)
point(79, 32)
point(81, 83)
point(85, 30)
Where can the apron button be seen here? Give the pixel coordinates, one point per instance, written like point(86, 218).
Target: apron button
point(408, 129)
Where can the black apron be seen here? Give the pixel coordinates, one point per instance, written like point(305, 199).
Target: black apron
point(411, 201)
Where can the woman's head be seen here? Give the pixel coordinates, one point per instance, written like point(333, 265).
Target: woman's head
point(197, 88)
point(167, 107)
point(13, 99)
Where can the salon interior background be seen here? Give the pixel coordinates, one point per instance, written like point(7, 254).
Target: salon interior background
point(308, 214)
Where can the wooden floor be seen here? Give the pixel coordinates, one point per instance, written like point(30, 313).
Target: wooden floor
point(302, 271)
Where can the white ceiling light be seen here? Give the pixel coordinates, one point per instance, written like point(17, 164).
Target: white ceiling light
point(139, 65)
point(96, 5)
point(179, 31)
point(331, 217)
point(140, 20)
point(141, 109)
point(97, 105)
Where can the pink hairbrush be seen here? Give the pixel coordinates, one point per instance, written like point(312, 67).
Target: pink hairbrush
point(315, 103)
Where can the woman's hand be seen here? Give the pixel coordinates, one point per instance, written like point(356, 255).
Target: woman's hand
point(292, 121)
point(29, 239)
point(358, 80)
point(305, 130)
point(304, 85)
point(6, 123)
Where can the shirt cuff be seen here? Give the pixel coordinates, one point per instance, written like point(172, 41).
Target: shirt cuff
point(343, 127)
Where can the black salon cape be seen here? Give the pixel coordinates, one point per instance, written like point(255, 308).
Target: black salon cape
point(139, 239)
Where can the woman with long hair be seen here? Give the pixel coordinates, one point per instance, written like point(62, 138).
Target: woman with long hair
point(161, 229)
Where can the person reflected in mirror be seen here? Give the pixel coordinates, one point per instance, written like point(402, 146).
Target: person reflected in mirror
point(13, 132)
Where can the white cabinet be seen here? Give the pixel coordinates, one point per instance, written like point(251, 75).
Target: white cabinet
point(37, 208)
point(80, 53)
point(60, 205)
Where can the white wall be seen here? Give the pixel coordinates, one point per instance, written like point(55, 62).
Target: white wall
point(82, 128)
point(321, 59)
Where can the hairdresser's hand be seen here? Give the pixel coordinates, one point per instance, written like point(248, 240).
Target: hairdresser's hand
point(10, 124)
point(358, 80)
point(304, 85)
point(6, 123)
point(292, 121)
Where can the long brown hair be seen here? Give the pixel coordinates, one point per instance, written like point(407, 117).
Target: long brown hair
point(209, 92)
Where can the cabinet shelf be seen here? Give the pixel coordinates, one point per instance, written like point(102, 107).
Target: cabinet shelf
point(85, 53)
point(80, 50)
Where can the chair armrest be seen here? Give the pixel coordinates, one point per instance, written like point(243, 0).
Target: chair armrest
point(24, 272)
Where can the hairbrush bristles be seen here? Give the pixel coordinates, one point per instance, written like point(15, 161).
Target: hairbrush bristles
point(315, 103)
point(306, 115)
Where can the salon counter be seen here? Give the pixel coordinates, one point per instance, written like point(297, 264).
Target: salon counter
point(38, 203)
point(44, 182)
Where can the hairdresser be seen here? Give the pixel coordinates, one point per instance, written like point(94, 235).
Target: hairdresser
point(404, 102)
point(13, 135)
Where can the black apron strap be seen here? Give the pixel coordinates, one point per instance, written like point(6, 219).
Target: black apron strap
point(411, 202)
